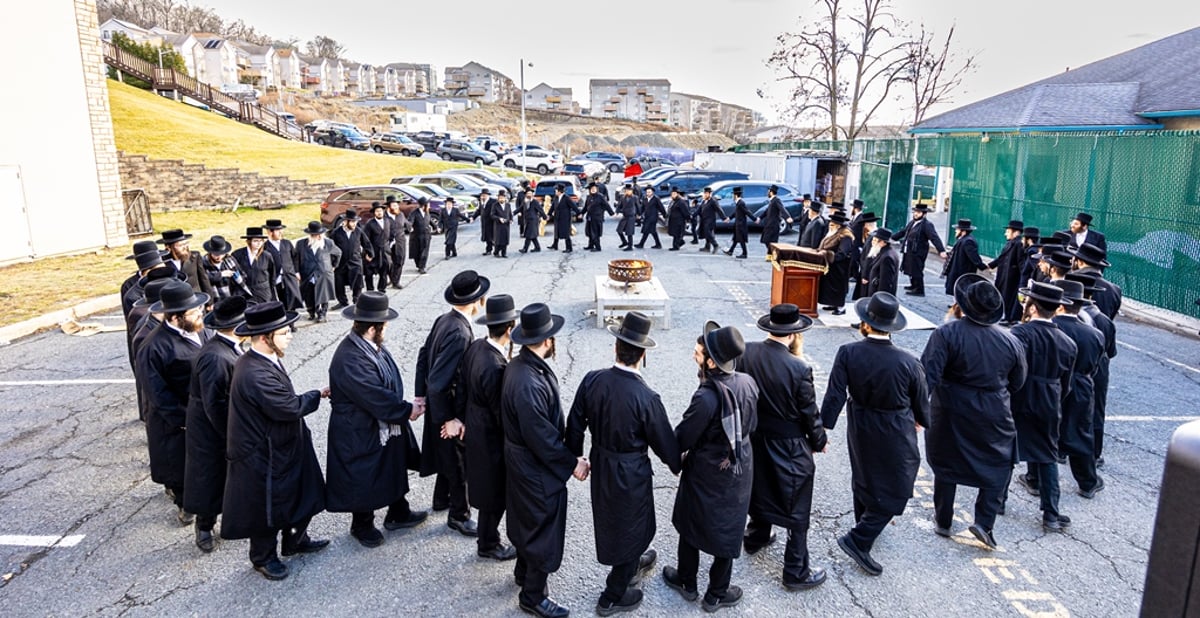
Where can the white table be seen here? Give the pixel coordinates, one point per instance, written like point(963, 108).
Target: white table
point(614, 299)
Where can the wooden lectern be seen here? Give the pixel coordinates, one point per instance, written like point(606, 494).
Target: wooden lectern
point(796, 275)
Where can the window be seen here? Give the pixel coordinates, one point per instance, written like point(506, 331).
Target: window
point(760, 191)
point(723, 193)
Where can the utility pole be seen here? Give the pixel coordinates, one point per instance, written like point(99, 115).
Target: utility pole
point(524, 136)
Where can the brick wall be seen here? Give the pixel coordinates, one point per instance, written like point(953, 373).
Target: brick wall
point(96, 84)
point(175, 185)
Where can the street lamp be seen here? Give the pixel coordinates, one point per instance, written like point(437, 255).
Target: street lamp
point(524, 136)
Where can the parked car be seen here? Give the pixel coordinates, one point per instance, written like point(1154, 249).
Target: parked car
point(588, 171)
point(487, 176)
point(546, 185)
point(614, 161)
point(465, 189)
point(487, 142)
point(543, 161)
point(690, 182)
point(654, 176)
point(754, 193)
point(395, 142)
point(360, 197)
point(341, 137)
point(428, 139)
point(454, 150)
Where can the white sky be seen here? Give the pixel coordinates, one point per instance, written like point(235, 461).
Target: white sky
point(715, 48)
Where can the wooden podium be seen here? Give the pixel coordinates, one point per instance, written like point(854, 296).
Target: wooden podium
point(796, 275)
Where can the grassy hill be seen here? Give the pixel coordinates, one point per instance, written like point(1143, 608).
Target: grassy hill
point(157, 127)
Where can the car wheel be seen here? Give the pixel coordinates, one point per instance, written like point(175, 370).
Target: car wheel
point(404, 153)
point(320, 141)
point(445, 156)
point(509, 163)
point(478, 161)
point(784, 227)
point(613, 168)
point(542, 169)
point(379, 149)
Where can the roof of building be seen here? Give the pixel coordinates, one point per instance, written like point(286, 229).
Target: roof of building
point(1129, 90)
point(251, 48)
point(128, 25)
point(629, 82)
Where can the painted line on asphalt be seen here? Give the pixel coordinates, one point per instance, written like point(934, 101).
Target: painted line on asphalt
point(1146, 419)
point(739, 282)
point(64, 382)
point(1158, 357)
point(25, 540)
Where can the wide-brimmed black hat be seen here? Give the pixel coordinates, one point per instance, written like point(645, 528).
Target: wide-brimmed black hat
point(868, 217)
point(881, 311)
point(593, 185)
point(143, 246)
point(883, 234)
point(315, 227)
point(167, 271)
point(784, 319)
point(484, 191)
point(148, 259)
point(1059, 259)
point(254, 232)
point(498, 310)
point(1064, 236)
point(737, 191)
point(724, 345)
point(350, 215)
point(838, 217)
point(265, 318)
point(634, 330)
point(964, 225)
point(1089, 280)
point(1051, 241)
point(391, 199)
point(378, 206)
point(676, 190)
point(170, 237)
point(1092, 255)
point(1084, 218)
point(151, 292)
point(274, 224)
point(1043, 292)
point(921, 207)
point(807, 196)
point(228, 313)
point(422, 201)
point(370, 307)
point(856, 204)
point(979, 299)
point(815, 206)
point(773, 189)
point(648, 188)
point(536, 325)
point(217, 245)
point(466, 287)
point(1031, 232)
point(177, 296)
point(1015, 225)
point(837, 206)
point(1072, 291)
point(627, 187)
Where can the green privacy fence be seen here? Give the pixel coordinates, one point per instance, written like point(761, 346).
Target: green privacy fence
point(1142, 188)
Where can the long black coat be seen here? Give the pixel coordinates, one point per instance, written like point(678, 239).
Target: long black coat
point(710, 211)
point(1037, 405)
point(714, 496)
point(258, 281)
point(353, 245)
point(741, 221)
point(814, 232)
point(835, 284)
point(127, 297)
point(914, 239)
point(1077, 428)
point(193, 267)
point(1029, 265)
point(363, 472)
point(773, 219)
point(595, 207)
point(562, 213)
point(1109, 330)
point(971, 370)
point(625, 417)
point(1108, 297)
point(451, 217)
point(487, 231)
point(483, 371)
point(440, 381)
point(652, 213)
point(628, 209)
point(422, 232)
point(883, 275)
point(207, 421)
point(164, 365)
point(887, 398)
point(789, 431)
point(537, 459)
point(1091, 238)
point(865, 262)
point(677, 217)
point(288, 290)
point(316, 269)
point(532, 214)
point(501, 223)
point(1008, 273)
point(963, 259)
point(273, 479)
point(378, 233)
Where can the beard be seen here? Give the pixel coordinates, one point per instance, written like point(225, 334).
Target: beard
point(181, 253)
point(553, 351)
point(274, 348)
point(875, 249)
point(796, 347)
point(377, 338)
point(189, 325)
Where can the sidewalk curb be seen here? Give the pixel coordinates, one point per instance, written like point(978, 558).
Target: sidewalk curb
point(48, 321)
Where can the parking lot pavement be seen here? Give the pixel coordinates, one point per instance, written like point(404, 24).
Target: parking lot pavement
point(84, 531)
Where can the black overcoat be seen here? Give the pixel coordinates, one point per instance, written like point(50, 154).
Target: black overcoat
point(625, 417)
point(207, 421)
point(678, 217)
point(145, 326)
point(501, 223)
point(1108, 297)
point(1077, 429)
point(378, 233)
point(652, 213)
point(127, 297)
point(888, 397)
point(562, 213)
point(714, 493)
point(1092, 237)
point(1008, 272)
point(628, 210)
point(835, 284)
point(537, 459)
point(450, 220)
point(741, 221)
point(963, 259)
point(814, 232)
point(440, 381)
point(193, 267)
point(710, 211)
point(288, 290)
point(971, 370)
point(422, 232)
point(483, 371)
point(1109, 329)
point(773, 219)
point(532, 215)
point(353, 245)
point(883, 273)
point(316, 269)
point(273, 480)
point(1029, 265)
point(914, 240)
point(487, 231)
point(596, 206)
point(258, 277)
point(1037, 405)
point(864, 268)
point(164, 365)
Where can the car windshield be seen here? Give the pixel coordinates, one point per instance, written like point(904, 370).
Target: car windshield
point(432, 190)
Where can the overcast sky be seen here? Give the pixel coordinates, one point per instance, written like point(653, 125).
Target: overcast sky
point(715, 48)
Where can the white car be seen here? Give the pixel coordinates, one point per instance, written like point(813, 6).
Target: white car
point(541, 161)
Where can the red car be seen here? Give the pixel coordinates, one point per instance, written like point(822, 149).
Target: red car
point(361, 197)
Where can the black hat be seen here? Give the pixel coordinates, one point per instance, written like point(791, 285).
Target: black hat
point(484, 191)
point(881, 311)
point(148, 259)
point(1084, 218)
point(815, 206)
point(1043, 292)
point(784, 319)
point(773, 189)
point(707, 189)
point(178, 296)
point(536, 325)
point(499, 309)
point(168, 271)
point(151, 292)
point(1087, 279)
point(217, 245)
point(634, 330)
point(229, 312)
point(1064, 236)
point(466, 287)
point(170, 237)
point(838, 217)
point(560, 187)
point(1047, 241)
point(856, 204)
point(1031, 232)
point(807, 196)
point(449, 199)
point(254, 232)
point(868, 217)
point(593, 185)
point(142, 246)
point(421, 201)
point(1092, 255)
point(979, 300)
point(921, 207)
point(723, 344)
point(628, 187)
point(737, 191)
point(274, 224)
point(964, 225)
point(1059, 259)
point(1015, 225)
point(883, 234)
point(265, 318)
point(502, 193)
point(676, 190)
point(1072, 291)
point(350, 215)
point(315, 227)
point(391, 199)
point(838, 206)
point(377, 206)
point(370, 307)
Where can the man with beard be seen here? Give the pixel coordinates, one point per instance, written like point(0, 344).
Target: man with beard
point(718, 469)
point(257, 266)
point(439, 391)
point(972, 438)
point(185, 261)
point(537, 459)
point(710, 211)
point(486, 230)
point(772, 220)
point(318, 258)
point(964, 258)
point(562, 212)
point(208, 417)
point(483, 372)
point(884, 273)
point(1029, 254)
point(625, 417)
point(628, 208)
point(378, 232)
point(789, 432)
point(816, 228)
point(501, 224)
point(914, 240)
point(1007, 266)
point(741, 224)
point(1092, 316)
point(354, 246)
point(147, 261)
point(164, 366)
point(1093, 259)
point(860, 240)
point(287, 281)
point(677, 219)
point(837, 246)
point(532, 215)
point(1082, 233)
point(401, 227)
point(369, 432)
point(862, 281)
point(595, 206)
point(451, 217)
point(224, 276)
point(422, 234)
point(651, 213)
point(273, 481)
point(887, 405)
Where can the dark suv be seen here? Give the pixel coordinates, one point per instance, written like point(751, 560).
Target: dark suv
point(341, 137)
point(695, 181)
point(754, 193)
point(455, 150)
point(428, 139)
point(614, 161)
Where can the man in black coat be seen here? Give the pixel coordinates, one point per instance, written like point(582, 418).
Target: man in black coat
point(208, 417)
point(867, 222)
point(816, 228)
point(677, 219)
point(439, 392)
point(883, 273)
point(537, 460)
point(1082, 233)
point(718, 469)
point(422, 234)
point(152, 258)
point(1077, 438)
point(147, 261)
point(972, 439)
point(164, 367)
point(1030, 250)
point(452, 215)
point(860, 240)
point(378, 231)
point(651, 213)
point(964, 257)
point(626, 418)
point(186, 261)
point(483, 372)
point(1007, 267)
point(595, 206)
point(710, 211)
point(888, 402)
point(789, 432)
point(369, 431)
point(914, 240)
point(354, 246)
point(562, 213)
point(486, 230)
point(501, 224)
point(317, 258)
point(258, 267)
point(273, 481)
point(401, 228)
point(741, 224)
point(287, 281)
point(627, 226)
point(1093, 259)
point(143, 325)
point(772, 220)
point(532, 215)
point(1093, 316)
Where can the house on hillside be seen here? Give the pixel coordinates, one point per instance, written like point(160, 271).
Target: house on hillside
point(385, 81)
point(261, 66)
point(411, 79)
point(544, 96)
point(643, 100)
point(360, 79)
point(1155, 86)
point(186, 45)
point(129, 29)
point(315, 73)
point(287, 68)
point(218, 60)
point(482, 84)
point(338, 77)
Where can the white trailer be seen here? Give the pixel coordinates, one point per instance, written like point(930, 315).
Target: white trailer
point(796, 168)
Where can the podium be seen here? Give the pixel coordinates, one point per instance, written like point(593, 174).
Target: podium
point(796, 276)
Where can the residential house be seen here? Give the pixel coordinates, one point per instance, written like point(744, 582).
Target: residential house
point(218, 61)
point(644, 100)
point(773, 133)
point(544, 96)
point(385, 81)
point(412, 79)
point(261, 66)
point(186, 45)
point(736, 121)
point(354, 78)
point(129, 29)
point(481, 83)
point(338, 77)
point(287, 68)
point(315, 73)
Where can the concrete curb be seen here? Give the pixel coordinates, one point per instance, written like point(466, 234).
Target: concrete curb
point(51, 320)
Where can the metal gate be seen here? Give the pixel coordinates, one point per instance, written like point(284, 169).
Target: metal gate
point(137, 212)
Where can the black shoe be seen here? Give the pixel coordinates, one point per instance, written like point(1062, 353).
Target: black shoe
point(414, 518)
point(672, 580)
point(627, 249)
point(464, 527)
point(553, 247)
point(628, 603)
point(369, 537)
point(908, 288)
point(984, 536)
point(638, 246)
point(321, 318)
point(342, 305)
point(204, 540)
point(440, 506)
point(538, 250)
point(741, 257)
point(185, 518)
point(312, 317)
point(730, 252)
point(1055, 524)
point(695, 242)
point(546, 609)
point(307, 546)
point(914, 293)
point(1099, 462)
point(657, 247)
point(863, 558)
point(838, 311)
point(521, 251)
point(1091, 493)
point(752, 547)
point(673, 249)
point(732, 597)
point(856, 325)
point(645, 564)
point(940, 531)
point(420, 271)
point(500, 553)
point(1029, 485)
point(273, 570)
point(815, 577)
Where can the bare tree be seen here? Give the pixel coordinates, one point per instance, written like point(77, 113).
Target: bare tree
point(325, 47)
point(936, 71)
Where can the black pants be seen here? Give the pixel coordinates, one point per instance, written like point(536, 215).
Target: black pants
point(1099, 405)
point(206, 522)
point(537, 246)
point(795, 553)
point(869, 525)
point(710, 236)
point(351, 276)
point(451, 248)
point(177, 491)
point(594, 228)
point(489, 529)
point(987, 504)
point(365, 520)
point(533, 586)
point(718, 574)
point(378, 270)
point(695, 229)
point(308, 293)
point(736, 242)
point(263, 548)
point(399, 252)
point(1083, 468)
point(487, 246)
point(618, 581)
point(451, 485)
point(677, 240)
point(1045, 477)
point(422, 252)
point(649, 231)
point(916, 279)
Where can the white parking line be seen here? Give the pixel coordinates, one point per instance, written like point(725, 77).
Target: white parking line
point(24, 540)
point(1158, 356)
point(63, 382)
point(1143, 419)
